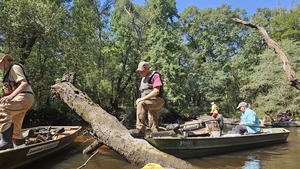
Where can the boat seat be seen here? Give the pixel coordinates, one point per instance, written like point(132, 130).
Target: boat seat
point(199, 132)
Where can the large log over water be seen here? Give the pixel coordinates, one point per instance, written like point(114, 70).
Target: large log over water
point(293, 81)
point(112, 133)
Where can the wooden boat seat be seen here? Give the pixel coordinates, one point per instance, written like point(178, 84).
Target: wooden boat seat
point(199, 132)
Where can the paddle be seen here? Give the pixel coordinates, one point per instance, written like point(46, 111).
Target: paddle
point(268, 113)
point(261, 126)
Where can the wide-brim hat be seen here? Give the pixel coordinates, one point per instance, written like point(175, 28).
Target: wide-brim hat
point(4, 56)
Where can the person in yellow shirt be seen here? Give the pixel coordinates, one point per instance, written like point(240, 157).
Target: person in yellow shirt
point(214, 110)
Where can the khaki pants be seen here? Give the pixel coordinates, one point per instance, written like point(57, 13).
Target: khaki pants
point(151, 107)
point(14, 112)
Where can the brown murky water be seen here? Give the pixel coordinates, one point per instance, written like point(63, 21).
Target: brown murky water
point(285, 156)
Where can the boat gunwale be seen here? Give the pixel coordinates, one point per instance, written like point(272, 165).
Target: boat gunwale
point(284, 131)
point(190, 147)
point(61, 143)
point(77, 129)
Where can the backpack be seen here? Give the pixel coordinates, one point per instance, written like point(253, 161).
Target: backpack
point(9, 86)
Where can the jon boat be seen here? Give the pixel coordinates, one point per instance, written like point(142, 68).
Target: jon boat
point(40, 142)
point(283, 120)
point(203, 142)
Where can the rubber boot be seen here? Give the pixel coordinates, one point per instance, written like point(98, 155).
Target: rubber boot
point(6, 138)
point(18, 142)
point(136, 133)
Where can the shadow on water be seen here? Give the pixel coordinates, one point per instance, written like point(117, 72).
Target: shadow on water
point(284, 155)
point(71, 158)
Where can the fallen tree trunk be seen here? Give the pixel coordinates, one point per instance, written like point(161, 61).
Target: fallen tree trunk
point(293, 81)
point(111, 132)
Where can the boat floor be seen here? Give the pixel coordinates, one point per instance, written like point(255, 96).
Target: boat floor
point(40, 134)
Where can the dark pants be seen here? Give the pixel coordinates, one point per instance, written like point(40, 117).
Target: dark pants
point(241, 129)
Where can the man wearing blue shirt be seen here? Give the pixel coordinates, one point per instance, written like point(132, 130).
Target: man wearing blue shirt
point(249, 120)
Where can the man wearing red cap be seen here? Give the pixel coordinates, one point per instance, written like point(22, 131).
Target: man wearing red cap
point(151, 100)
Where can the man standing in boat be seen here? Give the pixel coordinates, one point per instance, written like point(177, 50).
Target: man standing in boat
point(249, 121)
point(151, 100)
point(17, 97)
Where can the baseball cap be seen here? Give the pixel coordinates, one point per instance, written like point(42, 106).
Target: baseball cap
point(142, 65)
point(242, 104)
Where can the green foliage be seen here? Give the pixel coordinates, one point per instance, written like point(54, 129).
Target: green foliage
point(286, 25)
point(40, 24)
point(201, 54)
point(211, 40)
point(81, 44)
point(267, 85)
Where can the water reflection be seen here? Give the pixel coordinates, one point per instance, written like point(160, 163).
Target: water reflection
point(252, 164)
point(278, 156)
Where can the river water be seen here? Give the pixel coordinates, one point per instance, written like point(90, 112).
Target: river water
point(281, 156)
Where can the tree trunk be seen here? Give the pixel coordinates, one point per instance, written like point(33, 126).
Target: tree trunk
point(293, 81)
point(111, 132)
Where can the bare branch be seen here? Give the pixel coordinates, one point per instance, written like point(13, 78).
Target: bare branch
point(293, 81)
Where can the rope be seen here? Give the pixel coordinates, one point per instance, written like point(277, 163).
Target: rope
point(83, 165)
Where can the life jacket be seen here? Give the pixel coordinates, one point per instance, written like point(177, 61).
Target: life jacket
point(147, 86)
point(9, 86)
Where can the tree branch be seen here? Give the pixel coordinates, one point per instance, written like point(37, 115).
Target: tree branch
point(293, 81)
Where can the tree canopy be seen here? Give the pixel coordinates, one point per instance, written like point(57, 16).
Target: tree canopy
point(201, 54)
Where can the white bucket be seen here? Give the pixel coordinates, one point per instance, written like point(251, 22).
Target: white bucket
point(215, 134)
